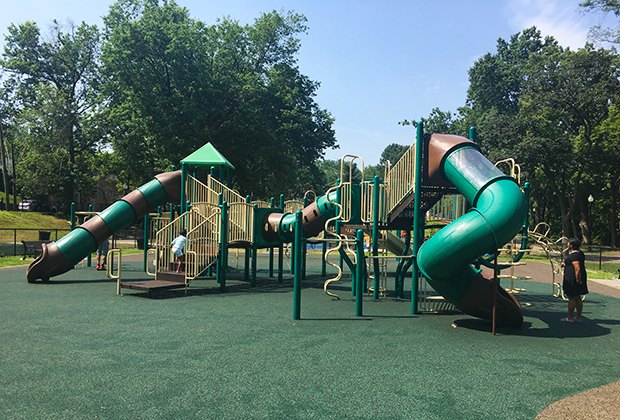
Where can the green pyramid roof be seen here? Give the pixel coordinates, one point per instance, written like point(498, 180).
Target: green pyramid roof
point(207, 155)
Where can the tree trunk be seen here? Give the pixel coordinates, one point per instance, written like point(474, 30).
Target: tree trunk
point(613, 215)
point(13, 167)
point(4, 162)
point(565, 216)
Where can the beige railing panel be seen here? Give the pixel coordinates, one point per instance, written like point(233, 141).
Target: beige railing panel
point(202, 245)
point(262, 204)
point(291, 206)
point(164, 237)
point(229, 195)
point(240, 222)
point(367, 199)
point(449, 207)
point(401, 179)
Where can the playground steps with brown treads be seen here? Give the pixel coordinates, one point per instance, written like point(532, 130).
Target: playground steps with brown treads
point(166, 280)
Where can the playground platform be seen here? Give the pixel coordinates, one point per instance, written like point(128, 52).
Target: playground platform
point(73, 349)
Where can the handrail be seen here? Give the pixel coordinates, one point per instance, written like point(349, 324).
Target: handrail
point(202, 246)
point(514, 168)
point(367, 207)
point(400, 180)
point(229, 195)
point(241, 222)
point(291, 206)
point(110, 267)
point(148, 252)
point(164, 236)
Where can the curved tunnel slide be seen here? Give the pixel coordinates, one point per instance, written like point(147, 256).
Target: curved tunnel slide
point(61, 256)
point(498, 210)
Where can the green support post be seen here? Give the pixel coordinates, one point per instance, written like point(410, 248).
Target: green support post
point(89, 257)
point(221, 267)
point(304, 252)
point(254, 249)
point(473, 135)
point(297, 245)
point(375, 235)
point(417, 216)
point(359, 272)
point(281, 247)
point(183, 182)
point(145, 240)
point(73, 218)
point(272, 202)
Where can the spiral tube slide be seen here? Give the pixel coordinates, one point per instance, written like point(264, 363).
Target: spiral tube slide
point(61, 256)
point(498, 209)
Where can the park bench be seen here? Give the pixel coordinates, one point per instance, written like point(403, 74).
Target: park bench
point(33, 248)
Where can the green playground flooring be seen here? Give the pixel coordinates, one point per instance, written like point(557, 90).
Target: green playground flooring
point(73, 349)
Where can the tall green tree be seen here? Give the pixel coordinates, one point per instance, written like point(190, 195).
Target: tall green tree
point(599, 32)
point(538, 102)
point(178, 83)
point(56, 81)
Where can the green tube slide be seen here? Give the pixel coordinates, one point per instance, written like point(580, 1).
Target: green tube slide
point(61, 256)
point(498, 210)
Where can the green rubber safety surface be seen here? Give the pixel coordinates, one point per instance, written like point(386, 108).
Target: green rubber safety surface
point(73, 349)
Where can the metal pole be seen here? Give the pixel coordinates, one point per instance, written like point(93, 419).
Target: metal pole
point(89, 257)
point(297, 245)
point(221, 267)
point(254, 249)
point(359, 272)
point(272, 201)
point(375, 235)
point(145, 240)
point(417, 216)
point(281, 246)
point(183, 182)
point(72, 209)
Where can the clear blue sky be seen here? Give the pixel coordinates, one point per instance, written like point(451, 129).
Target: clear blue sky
point(378, 62)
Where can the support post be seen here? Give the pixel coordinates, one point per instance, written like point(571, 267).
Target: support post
point(254, 250)
point(375, 235)
point(145, 239)
point(272, 201)
point(417, 214)
point(89, 258)
point(281, 247)
point(183, 182)
point(221, 266)
point(73, 218)
point(359, 272)
point(297, 245)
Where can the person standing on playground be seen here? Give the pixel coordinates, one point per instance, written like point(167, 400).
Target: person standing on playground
point(102, 253)
point(575, 282)
point(178, 246)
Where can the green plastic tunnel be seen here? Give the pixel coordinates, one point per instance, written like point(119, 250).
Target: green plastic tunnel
point(61, 256)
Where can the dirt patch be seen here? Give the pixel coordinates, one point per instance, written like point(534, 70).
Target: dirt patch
point(600, 403)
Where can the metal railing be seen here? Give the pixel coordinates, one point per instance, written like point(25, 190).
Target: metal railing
point(164, 237)
point(367, 200)
point(400, 180)
point(291, 206)
point(241, 222)
point(228, 195)
point(202, 245)
point(448, 208)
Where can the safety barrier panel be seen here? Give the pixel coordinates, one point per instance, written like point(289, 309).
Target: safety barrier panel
point(400, 180)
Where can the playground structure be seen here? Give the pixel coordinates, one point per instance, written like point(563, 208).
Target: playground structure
point(428, 178)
